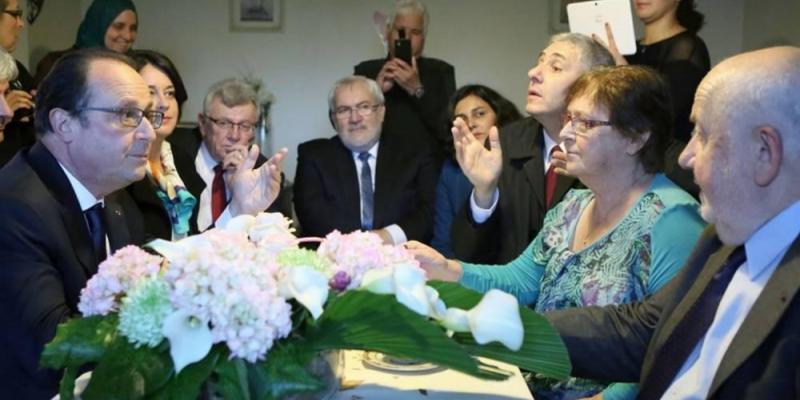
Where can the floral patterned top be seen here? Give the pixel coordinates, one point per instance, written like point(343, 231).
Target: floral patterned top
point(640, 254)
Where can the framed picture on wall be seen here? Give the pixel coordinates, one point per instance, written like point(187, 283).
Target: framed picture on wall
point(255, 14)
point(558, 15)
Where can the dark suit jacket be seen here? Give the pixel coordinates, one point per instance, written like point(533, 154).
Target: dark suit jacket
point(327, 196)
point(46, 258)
point(762, 362)
point(521, 207)
point(422, 119)
point(185, 145)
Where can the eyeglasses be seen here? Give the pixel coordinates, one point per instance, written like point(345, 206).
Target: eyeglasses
point(229, 126)
point(582, 125)
point(15, 13)
point(363, 109)
point(131, 116)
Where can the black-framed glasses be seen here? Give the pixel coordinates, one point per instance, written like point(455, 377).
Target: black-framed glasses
point(229, 126)
point(363, 109)
point(131, 116)
point(15, 13)
point(582, 125)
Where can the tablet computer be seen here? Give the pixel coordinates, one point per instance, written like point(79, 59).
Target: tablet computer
point(589, 17)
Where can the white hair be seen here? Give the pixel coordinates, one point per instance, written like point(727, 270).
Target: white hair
point(406, 7)
point(8, 67)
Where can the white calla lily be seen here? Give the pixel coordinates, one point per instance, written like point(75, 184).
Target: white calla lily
point(437, 307)
point(174, 250)
point(378, 281)
point(308, 286)
point(456, 320)
point(496, 318)
point(409, 288)
point(189, 339)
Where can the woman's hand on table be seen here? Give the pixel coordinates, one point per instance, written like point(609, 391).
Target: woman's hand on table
point(434, 263)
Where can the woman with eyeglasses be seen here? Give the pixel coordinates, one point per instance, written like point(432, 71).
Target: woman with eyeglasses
point(617, 241)
point(162, 197)
point(110, 24)
point(481, 108)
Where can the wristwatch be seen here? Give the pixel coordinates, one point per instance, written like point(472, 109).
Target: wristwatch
point(419, 92)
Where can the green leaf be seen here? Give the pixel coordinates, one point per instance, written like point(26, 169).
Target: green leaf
point(233, 383)
point(66, 390)
point(285, 372)
point(188, 383)
point(542, 350)
point(126, 372)
point(80, 341)
point(367, 321)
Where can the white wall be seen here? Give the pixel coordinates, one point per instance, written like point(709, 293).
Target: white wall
point(491, 42)
point(770, 23)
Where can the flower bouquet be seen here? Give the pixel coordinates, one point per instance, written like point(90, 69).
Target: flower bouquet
point(240, 312)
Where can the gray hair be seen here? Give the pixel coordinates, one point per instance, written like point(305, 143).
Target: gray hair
point(232, 92)
point(8, 67)
point(593, 54)
point(406, 7)
point(374, 89)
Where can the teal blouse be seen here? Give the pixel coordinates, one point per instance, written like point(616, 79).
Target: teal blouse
point(635, 258)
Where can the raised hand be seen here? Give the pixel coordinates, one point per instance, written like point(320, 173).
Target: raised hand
point(407, 76)
point(481, 166)
point(436, 266)
point(253, 190)
point(18, 99)
point(611, 46)
point(385, 77)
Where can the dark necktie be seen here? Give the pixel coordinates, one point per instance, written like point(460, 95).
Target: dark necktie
point(551, 178)
point(97, 230)
point(367, 200)
point(218, 198)
point(690, 330)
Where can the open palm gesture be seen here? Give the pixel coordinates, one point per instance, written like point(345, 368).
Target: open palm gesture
point(482, 166)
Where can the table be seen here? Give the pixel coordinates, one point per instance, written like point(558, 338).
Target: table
point(363, 381)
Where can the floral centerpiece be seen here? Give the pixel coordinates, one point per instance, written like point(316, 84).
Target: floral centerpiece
point(241, 310)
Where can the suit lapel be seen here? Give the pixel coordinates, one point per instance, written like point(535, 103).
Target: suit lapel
point(116, 225)
point(347, 182)
point(711, 267)
point(385, 173)
point(767, 311)
point(53, 177)
point(534, 167)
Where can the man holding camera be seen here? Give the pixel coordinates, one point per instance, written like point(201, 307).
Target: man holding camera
point(416, 88)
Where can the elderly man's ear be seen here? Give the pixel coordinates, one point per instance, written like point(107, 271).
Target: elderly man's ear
point(63, 124)
point(770, 155)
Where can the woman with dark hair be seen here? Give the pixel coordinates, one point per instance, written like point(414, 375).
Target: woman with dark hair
point(671, 46)
point(112, 24)
point(481, 108)
point(162, 197)
point(616, 242)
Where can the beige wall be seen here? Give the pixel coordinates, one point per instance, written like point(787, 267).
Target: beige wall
point(491, 42)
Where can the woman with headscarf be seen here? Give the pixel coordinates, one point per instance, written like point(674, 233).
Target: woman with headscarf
point(112, 24)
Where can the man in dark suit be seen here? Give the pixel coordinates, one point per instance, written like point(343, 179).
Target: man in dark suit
point(224, 138)
point(60, 209)
point(727, 326)
point(514, 184)
point(416, 92)
point(361, 179)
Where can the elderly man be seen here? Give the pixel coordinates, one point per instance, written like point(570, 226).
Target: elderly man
point(417, 92)
point(514, 187)
point(727, 326)
point(19, 132)
point(361, 179)
point(208, 159)
point(60, 209)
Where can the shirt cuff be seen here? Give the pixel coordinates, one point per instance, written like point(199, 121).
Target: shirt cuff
point(480, 215)
point(397, 234)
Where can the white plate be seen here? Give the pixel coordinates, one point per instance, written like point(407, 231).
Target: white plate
point(386, 363)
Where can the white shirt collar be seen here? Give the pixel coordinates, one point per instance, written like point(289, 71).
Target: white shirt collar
point(772, 238)
point(206, 160)
point(85, 198)
point(373, 151)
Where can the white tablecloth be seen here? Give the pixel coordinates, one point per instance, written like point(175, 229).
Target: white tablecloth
point(362, 381)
